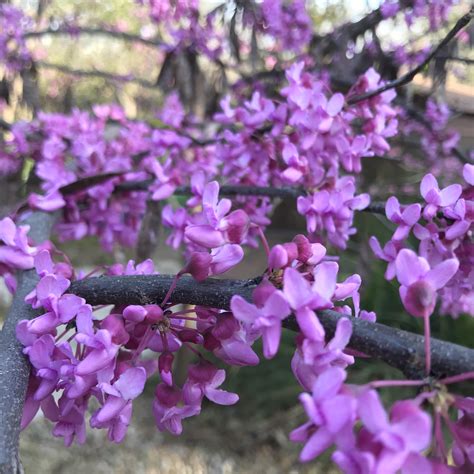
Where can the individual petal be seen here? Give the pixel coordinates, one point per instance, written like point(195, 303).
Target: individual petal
point(204, 235)
point(225, 257)
point(8, 231)
point(276, 305)
point(309, 324)
point(468, 173)
point(221, 397)
point(210, 197)
point(243, 310)
point(376, 248)
point(112, 407)
point(411, 214)
point(43, 262)
point(296, 288)
point(317, 443)
point(325, 277)
point(392, 208)
point(450, 194)
point(329, 383)
point(335, 104)
point(428, 183)
point(457, 230)
point(442, 273)
point(271, 340)
point(131, 383)
point(339, 411)
point(372, 412)
point(410, 267)
point(134, 313)
point(342, 335)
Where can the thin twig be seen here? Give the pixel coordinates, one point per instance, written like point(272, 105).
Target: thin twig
point(95, 73)
point(408, 77)
point(75, 31)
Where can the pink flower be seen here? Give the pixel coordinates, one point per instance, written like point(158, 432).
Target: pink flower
point(203, 381)
point(419, 283)
point(405, 219)
point(221, 227)
point(437, 198)
point(265, 319)
point(116, 411)
point(331, 414)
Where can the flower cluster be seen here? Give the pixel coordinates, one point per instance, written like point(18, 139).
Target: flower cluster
point(288, 22)
point(436, 11)
point(15, 253)
point(13, 51)
point(332, 208)
point(74, 351)
point(443, 263)
point(311, 139)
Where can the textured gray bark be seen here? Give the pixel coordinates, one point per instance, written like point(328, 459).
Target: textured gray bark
point(400, 349)
point(14, 368)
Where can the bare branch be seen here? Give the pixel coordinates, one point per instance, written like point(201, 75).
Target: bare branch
point(400, 349)
point(406, 78)
point(75, 31)
point(94, 73)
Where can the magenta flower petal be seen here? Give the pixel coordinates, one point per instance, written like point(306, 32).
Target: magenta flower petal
point(243, 310)
point(411, 214)
point(271, 340)
point(468, 173)
point(450, 194)
point(410, 267)
point(442, 273)
point(428, 183)
point(296, 288)
point(372, 412)
point(309, 324)
point(131, 383)
point(204, 235)
point(335, 104)
point(317, 443)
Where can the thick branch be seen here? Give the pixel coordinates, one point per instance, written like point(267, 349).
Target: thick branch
point(14, 367)
point(398, 348)
point(241, 190)
point(408, 77)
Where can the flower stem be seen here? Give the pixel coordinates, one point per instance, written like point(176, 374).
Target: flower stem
point(397, 383)
point(426, 319)
point(458, 378)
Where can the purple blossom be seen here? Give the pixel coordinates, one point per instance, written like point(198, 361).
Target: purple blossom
point(436, 198)
point(203, 381)
point(265, 319)
point(405, 219)
point(419, 283)
point(116, 411)
point(331, 414)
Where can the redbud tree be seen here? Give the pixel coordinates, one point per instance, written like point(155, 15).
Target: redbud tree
point(257, 106)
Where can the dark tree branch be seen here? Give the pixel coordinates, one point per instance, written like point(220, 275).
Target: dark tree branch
point(94, 73)
point(408, 77)
point(241, 190)
point(400, 349)
point(14, 367)
point(75, 31)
